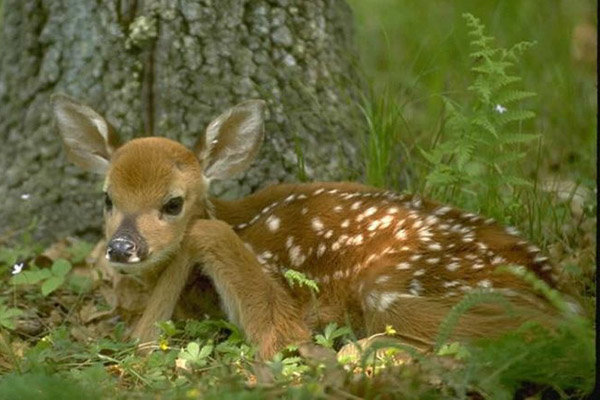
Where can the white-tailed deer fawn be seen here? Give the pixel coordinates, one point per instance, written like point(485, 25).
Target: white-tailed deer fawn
point(379, 257)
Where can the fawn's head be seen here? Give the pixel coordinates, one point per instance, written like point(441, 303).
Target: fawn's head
point(154, 186)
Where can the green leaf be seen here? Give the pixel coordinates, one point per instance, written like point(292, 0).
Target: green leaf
point(7, 316)
point(292, 276)
point(515, 116)
point(30, 277)
point(61, 267)
point(51, 284)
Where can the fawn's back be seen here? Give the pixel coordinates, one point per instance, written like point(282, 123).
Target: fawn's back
point(380, 257)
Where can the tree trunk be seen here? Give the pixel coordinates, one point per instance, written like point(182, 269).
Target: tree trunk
point(167, 68)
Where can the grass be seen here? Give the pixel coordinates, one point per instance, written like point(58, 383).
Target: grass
point(418, 63)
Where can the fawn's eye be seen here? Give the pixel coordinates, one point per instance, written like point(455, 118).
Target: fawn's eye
point(173, 206)
point(108, 205)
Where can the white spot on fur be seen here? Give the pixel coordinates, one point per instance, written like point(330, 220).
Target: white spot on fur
point(370, 259)
point(289, 242)
point(540, 258)
point(291, 197)
point(486, 283)
point(317, 224)
point(403, 266)
point(419, 272)
point(386, 299)
point(304, 210)
point(415, 288)
point(382, 279)
point(498, 260)
point(273, 223)
point(370, 211)
point(318, 191)
point(345, 223)
point(355, 205)
point(511, 230)
point(400, 234)
point(296, 256)
point(435, 247)
point(434, 260)
point(431, 220)
point(415, 257)
point(453, 266)
point(328, 234)
point(392, 210)
point(386, 221)
point(321, 249)
point(373, 225)
point(356, 240)
point(338, 208)
point(478, 266)
point(442, 210)
point(449, 284)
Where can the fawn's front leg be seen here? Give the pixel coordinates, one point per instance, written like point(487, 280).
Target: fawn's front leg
point(164, 297)
point(253, 300)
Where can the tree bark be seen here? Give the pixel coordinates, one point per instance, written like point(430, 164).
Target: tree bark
point(167, 68)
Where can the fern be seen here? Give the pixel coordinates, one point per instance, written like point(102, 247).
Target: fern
point(470, 300)
point(479, 150)
point(292, 276)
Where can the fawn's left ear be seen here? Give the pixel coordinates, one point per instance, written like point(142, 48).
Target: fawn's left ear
point(89, 140)
point(232, 140)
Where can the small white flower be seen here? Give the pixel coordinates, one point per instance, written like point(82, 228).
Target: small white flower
point(500, 109)
point(17, 268)
point(25, 196)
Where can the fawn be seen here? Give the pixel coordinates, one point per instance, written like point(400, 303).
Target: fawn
point(380, 258)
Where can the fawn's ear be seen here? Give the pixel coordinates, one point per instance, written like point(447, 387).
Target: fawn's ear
point(89, 140)
point(232, 140)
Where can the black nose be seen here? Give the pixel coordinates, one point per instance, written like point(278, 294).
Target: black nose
point(121, 249)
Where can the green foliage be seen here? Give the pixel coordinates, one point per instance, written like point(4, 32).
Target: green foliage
point(194, 355)
point(292, 276)
point(470, 300)
point(474, 163)
point(50, 278)
point(382, 141)
point(331, 333)
point(8, 316)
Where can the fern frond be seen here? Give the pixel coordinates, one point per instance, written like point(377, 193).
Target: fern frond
point(514, 138)
point(507, 157)
point(515, 180)
point(469, 301)
point(483, 122)
point(511, 96)
point(514, 116)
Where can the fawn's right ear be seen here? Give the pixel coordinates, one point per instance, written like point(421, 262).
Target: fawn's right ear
point(89, 140)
